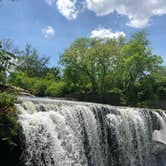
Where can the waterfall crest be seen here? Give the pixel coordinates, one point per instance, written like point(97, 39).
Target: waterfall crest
point(66, 133)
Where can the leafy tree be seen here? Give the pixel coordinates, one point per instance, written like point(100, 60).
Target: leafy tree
point(31, 63)
point(112, 66)
point(38, 86)
point(6, 61)
point(159, 77)
point(76, 70)
point(52, 73)
point(88, 62)
point(56, 89)
point(135, 62)
point(126, 72)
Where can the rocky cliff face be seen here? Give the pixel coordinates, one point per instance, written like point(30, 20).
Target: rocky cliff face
point(14, 90)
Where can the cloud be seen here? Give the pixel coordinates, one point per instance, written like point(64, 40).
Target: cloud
point(138, 12)
point(48, 31)
point(68, 8)
point(103, 33)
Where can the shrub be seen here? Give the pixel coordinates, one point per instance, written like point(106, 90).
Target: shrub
point(9, 132)
point(21, 80)
point(56, 89)
point(39, 87)
point(2, 78)
point(6, 101)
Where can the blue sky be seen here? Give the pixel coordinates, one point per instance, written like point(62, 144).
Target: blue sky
point(52, 25)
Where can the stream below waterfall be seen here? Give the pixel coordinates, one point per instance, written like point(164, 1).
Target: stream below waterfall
point(66, 133)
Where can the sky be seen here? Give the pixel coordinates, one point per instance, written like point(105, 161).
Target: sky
point(52, 25)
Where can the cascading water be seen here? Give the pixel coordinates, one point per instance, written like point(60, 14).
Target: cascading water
point(66, 133)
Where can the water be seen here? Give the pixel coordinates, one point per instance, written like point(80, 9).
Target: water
point(66, 133)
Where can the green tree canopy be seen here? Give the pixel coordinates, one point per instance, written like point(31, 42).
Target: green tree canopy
point(31, 63)
point(101, 66)
point(88, 63)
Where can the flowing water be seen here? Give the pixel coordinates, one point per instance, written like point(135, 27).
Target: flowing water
point(66, 133)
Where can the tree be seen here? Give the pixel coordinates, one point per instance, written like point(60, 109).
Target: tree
point(110, 66)
point(31, 63)
point(6, 61)
point(52, 73)
point(135, 62)
point(88, 63)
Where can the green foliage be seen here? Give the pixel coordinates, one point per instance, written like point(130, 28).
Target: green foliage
point(31, 63)
point(6, 61)
point(121, 68)
point(7, 111)
point(11, 117)
point(39, 87)
point(127, 70)
point(88, 63)
point(10, 142)
point(2, 77)
point(6, 100)
point(8, 119)
point(21, 80)
point(48, 86)
point(135, 61)
point(56, 89)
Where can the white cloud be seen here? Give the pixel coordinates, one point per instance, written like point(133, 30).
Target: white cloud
point(68, 8)
point(139, 12)
point(105, 33)
point(48, 31)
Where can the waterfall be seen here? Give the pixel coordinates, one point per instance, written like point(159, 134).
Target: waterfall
point(67, 133)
